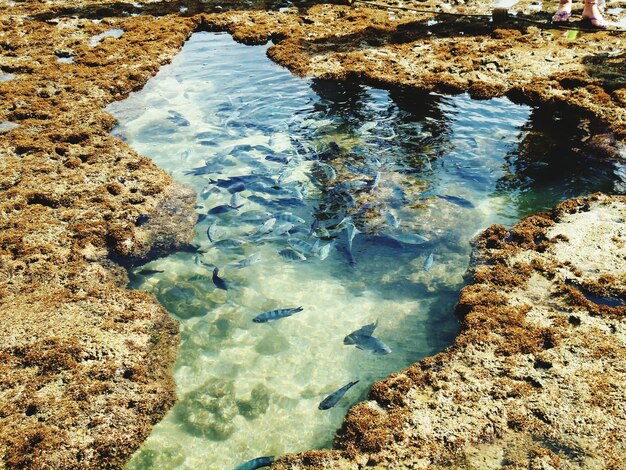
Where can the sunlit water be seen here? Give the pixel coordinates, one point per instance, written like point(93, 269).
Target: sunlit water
point(394, 164)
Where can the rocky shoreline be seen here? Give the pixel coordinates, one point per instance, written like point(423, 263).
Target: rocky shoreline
point(86, 364)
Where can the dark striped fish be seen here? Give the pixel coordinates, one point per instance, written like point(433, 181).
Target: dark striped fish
point(256, 463)
point(304, 247)
point(289, 217)
point(276, 314)
point(292, 255)
point(332, 399)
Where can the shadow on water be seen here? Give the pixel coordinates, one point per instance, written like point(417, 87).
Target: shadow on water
point(553, 162)
point(379, 190)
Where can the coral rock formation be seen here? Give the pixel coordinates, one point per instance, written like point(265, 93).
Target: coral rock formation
point(86, 364)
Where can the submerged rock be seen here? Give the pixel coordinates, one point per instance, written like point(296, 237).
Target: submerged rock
point(257, 404)
point(209, 410)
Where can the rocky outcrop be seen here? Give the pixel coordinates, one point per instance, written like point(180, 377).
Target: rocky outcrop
point(535, 378)
point(86, 363)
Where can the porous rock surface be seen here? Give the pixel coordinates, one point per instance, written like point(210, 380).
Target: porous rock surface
point(536, 376)
point(86, 364)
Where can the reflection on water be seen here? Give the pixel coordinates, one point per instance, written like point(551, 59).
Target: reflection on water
point(352, 203)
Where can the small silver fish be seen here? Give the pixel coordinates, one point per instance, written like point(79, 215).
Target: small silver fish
point(237, 200)
point(219, 282)
point(266, 227)
point(352, 232)
point(289, 217)
point(212, 232)
point(249, 261)
point(372, 344)
point(200, 262)
point(332, 399)
point(409, 238)
point(276, 314)
point(348, 254)
point(376, 181)
point(283, 228)
point(314, 227)
point(392, 220)
point(429, 262)
point(292, 255)
point(459, 201)
point(254, 215)
point(228, 243)
point(324, 251)
point(221, 209)
point(367, 330)
point(147, 272)
point(303, 246)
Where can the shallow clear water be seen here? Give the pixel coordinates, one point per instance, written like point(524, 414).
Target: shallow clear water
point(225, 120)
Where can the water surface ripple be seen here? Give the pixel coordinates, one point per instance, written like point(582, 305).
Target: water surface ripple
point(380, 192)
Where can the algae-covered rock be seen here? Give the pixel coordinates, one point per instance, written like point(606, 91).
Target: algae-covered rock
point(181, 301)
point(257, 404)
point(209, 410)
